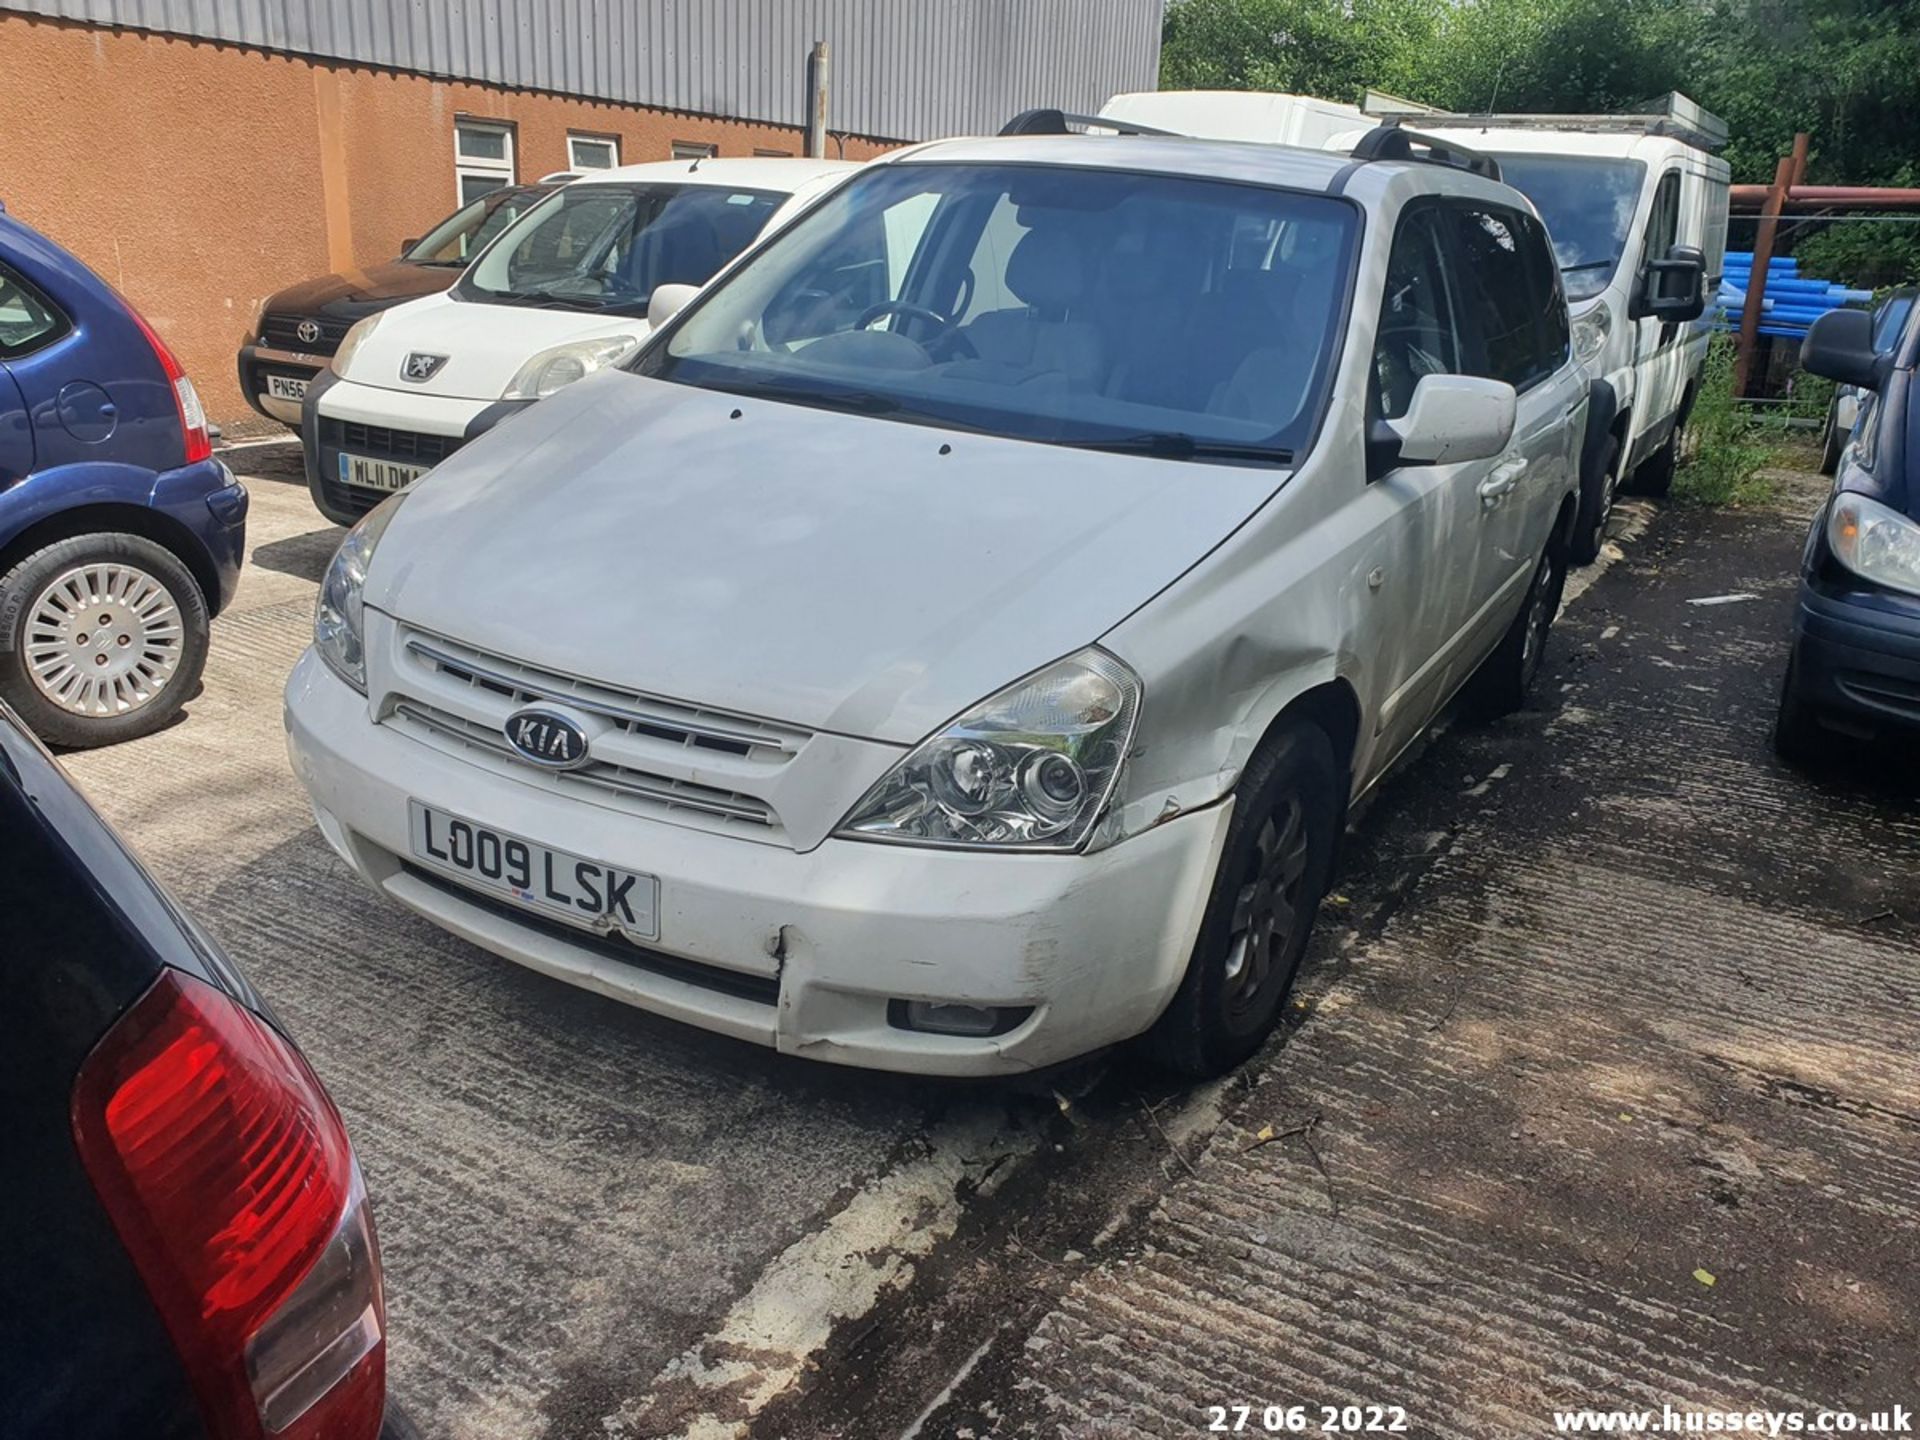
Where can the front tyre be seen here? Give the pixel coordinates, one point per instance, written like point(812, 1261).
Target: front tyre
point(1596, 507)
point(1274, 869)
point(102, 639)
point(1798, 738)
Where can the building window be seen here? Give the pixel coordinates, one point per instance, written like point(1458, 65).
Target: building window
point(482, 158)
point(592, 152)
point(781, 154)
point(693, 150)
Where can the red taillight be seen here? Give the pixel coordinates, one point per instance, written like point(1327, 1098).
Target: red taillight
point(186, 400)
point(229, 1176)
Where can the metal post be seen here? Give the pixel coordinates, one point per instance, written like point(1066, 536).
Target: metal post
point(819, 67)
point(1757, 282)
point(1799, 176)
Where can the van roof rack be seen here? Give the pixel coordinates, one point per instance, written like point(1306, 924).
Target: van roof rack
point(1672, 115)
point(1391, 142)
point(1061, 122)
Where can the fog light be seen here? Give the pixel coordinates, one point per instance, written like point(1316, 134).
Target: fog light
point(936, 1017)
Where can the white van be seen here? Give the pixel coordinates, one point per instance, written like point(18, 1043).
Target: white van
point(1636, 205)
point(963, 676)
point(1637, 209)
point(562, 292)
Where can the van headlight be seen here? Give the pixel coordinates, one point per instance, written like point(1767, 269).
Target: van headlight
point(350, 342)
point(1874, 542)
point(554, 369)
point(1031, 768)
point(338, 632)
point(1590, 332)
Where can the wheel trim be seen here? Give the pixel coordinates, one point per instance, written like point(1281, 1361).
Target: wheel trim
point(1539, 618)
point(103, 640)
point(1266, 910)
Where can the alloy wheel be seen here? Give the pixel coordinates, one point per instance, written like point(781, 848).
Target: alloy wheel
point(1540, 607)
point(1266, 912)
point(103, 639)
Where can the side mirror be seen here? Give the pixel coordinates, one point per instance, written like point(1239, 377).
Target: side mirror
point(1453, 419)
point(1672, 289)
point(1840, 347)
point(668, 301)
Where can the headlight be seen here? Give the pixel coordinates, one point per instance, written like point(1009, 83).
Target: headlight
point(550, 370)
point(1874, 542)
point(352, 341)
point(1031, 768)
point(1590, 332)
point(337, 619)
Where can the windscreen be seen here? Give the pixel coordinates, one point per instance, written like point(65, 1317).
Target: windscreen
point(1121, 310)
point(605, 247)
point(465, 233)
point(1588, 204)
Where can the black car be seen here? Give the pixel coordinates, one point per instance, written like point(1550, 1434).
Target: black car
point(1889, 319)
point(188, 1249)
point(1855, 670)
point(302, 325)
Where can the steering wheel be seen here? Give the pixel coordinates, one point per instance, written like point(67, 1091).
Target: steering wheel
point(947, 331)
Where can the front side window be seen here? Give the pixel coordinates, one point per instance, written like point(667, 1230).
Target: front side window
point(1118, 310)
point(1588, 204)
point(482, 158)
point(465, 233)
point(1502, 295)
point(1663, 221)
point(606, 246)
point(1417, 335)
point(28, 319)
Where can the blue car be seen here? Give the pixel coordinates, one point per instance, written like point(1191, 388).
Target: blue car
point(120, 535)
point(1854, 673)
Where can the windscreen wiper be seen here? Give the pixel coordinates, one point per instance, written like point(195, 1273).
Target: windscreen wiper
point(861, 402)
point(1178, 445)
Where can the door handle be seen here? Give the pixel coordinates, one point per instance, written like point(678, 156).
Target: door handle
point(1501, 481)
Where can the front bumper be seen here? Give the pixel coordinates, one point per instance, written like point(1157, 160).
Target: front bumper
point(392, 425)
point(1856, 656)
point(803, 952)
point(257, 362)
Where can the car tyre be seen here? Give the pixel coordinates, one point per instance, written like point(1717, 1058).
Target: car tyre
point(1832, 442)
point(1275, 867)
point(155, 642)
point(1798, 737)
point(1655, 475)
point(1505, 678)
point(1596, 507)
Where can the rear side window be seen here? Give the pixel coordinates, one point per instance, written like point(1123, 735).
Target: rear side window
point(28, 319)
point(1417, 334)
point(1504, 295)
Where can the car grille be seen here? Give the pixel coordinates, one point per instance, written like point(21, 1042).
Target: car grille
point(282, 332)
point(459, 699)
point(408, 447)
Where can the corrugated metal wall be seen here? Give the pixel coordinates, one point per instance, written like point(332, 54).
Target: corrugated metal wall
point(902, 69)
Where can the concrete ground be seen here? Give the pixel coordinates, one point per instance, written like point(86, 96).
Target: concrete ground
point(1607, 998)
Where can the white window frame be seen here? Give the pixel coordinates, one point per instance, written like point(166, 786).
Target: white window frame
point(694, 150)
point(477, 167)
point(581, 137)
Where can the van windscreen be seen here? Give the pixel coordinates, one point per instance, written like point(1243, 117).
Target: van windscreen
point(1588, 203)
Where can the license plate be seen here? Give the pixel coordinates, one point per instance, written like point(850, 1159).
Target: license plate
point(285, 387)
point(587, 892)
point(366, 474)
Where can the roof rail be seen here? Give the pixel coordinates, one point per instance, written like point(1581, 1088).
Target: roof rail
point(1059, 122)
point(1390, 142)
point(1672, 115)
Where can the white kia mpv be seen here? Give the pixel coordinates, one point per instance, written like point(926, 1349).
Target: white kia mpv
point(952, 644)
